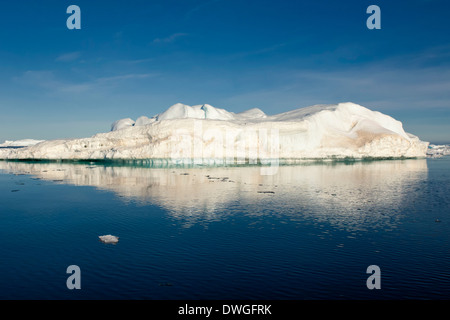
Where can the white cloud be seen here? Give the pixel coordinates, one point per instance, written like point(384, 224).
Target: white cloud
point(46, 79)
point(136, 61)
point(68, 57)
point(125, 77)
point(170, 38)
point(200, 7)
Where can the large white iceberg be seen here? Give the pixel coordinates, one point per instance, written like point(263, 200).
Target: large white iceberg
point(344, 130)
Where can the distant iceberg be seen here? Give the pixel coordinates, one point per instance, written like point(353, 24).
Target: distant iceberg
point(20, 143)
point(182, 132)
point(437, 151)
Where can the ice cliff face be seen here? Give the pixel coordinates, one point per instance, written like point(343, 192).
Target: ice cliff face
point(203, 132)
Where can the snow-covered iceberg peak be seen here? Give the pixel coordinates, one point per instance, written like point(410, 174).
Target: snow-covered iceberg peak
point(254, 114)
point(122, 124)
point(344, 130)
point(205, 111)
point(183, 111)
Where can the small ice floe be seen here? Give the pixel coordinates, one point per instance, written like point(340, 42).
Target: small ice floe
point(109, 239)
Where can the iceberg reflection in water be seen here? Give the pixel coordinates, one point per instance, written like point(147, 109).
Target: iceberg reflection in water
point(353, 195)
point(308, 232)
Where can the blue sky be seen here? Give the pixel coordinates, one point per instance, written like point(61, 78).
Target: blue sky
point(134, 58)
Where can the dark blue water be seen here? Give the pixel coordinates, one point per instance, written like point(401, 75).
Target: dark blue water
point(307, 232)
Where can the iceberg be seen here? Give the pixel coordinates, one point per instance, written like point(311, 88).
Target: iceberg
point(20, 143)
point(185, 133)
point(438, 151)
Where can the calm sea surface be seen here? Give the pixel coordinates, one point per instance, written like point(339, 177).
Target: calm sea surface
point(307, 232)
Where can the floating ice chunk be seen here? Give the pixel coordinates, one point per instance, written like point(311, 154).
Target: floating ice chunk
point(109, 239)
